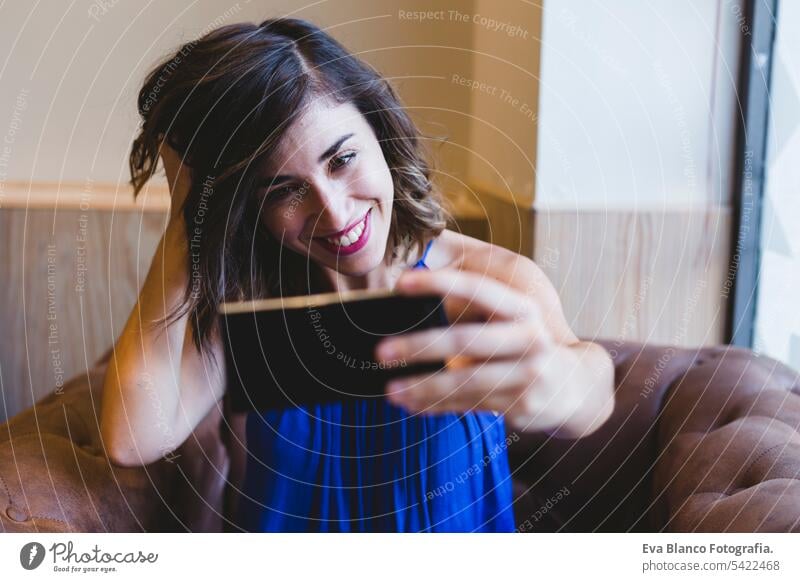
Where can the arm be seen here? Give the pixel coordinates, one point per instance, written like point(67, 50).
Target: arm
point(595, 369)
point(591, 365)
point(157, 386)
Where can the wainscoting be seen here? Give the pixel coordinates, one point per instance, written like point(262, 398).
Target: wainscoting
point(73, 267)
point(656, 275)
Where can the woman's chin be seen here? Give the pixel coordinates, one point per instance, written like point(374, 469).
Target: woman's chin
point(353, 267)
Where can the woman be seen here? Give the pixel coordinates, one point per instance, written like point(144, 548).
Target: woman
point(294, 169)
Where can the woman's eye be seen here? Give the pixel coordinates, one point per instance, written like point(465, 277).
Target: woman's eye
point(341, 160)
point(280, 192)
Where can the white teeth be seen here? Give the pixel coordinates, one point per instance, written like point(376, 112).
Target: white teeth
point(351, 237)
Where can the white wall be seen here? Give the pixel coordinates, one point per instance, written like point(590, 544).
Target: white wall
point(82, 75)
point(637, 103)
point(70, 72)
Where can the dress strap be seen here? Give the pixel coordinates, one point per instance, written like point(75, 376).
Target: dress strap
point(427, 248)
point(421, 262)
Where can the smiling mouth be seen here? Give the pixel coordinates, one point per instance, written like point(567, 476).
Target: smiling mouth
point(350, 237)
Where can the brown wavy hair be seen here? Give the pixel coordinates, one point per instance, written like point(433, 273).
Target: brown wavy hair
point(223, 102)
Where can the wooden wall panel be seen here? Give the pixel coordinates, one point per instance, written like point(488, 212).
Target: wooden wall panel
point(70, 281)
point(655, 276)
point(509, 225)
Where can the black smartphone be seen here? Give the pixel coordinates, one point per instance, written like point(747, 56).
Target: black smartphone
point(294, 351)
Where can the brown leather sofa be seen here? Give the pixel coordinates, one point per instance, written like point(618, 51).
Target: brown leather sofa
point(700, 440)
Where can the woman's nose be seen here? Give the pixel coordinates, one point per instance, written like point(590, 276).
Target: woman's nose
point(333, 206)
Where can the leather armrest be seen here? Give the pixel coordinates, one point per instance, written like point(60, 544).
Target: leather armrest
point(729, 447)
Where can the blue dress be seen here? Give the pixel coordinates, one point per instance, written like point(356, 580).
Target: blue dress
point(368, 466)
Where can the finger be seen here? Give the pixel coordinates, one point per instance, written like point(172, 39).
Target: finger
point(460, 310)
point(482, 294)
point(496, 402)
point(505, 400)
point(469, 387)
point(499, 401)
point(547, 409)
point(477, 341)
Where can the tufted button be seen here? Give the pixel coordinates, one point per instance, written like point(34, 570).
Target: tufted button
point(16, 514)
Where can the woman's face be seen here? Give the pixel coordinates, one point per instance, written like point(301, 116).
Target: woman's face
point(328, 191)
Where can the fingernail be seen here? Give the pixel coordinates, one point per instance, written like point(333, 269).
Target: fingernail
point(395, 387)
point(387, 350)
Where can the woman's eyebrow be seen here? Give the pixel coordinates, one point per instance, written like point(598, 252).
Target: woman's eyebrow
point(335, 147)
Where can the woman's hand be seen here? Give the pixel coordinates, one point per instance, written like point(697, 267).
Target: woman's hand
point(501, 356)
